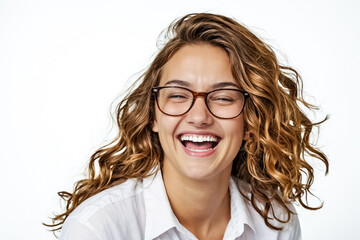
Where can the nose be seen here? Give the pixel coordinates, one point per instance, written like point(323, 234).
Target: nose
point(199, 115)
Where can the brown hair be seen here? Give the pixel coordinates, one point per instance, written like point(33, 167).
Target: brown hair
point(272, 159)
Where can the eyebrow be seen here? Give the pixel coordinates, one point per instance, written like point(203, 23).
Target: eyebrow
point(178, 82)
point(214, 86)
point(224, 84)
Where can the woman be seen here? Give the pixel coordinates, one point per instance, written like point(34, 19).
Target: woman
point(211, 145)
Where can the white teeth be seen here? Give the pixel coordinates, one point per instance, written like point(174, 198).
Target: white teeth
point(198, 138)
point(198, 150)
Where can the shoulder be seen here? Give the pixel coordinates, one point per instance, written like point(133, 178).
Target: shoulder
point(110, 198)
point(108, 211)
point(290, 222)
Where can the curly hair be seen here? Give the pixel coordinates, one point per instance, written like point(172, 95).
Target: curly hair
point(277, 131)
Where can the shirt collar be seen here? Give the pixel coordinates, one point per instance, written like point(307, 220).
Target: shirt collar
point(159, 215)
point(240, 214)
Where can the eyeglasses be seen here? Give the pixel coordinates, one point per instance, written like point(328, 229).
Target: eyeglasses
point(222, 103)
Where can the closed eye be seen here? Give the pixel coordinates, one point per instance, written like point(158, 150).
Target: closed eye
point(224, 99)
point(177, 96)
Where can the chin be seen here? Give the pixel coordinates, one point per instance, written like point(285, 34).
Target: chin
point(198, 172)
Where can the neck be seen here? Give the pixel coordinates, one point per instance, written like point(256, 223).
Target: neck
point(201, 206)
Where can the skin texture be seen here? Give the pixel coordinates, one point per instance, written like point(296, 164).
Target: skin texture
point(197, 184)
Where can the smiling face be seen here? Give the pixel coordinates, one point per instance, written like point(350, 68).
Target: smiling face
point(198, 145)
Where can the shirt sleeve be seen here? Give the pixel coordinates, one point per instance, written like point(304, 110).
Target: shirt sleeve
point(74, 230)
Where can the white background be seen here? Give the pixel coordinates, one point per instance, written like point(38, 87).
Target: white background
point(63, 63)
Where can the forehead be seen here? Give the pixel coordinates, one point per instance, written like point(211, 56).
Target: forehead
point(200, 66)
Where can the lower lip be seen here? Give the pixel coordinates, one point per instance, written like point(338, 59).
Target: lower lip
point(199, 154)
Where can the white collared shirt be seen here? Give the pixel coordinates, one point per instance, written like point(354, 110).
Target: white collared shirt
point(139, 209)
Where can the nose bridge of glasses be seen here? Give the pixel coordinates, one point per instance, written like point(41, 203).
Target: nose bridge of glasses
point(203, 95)
point(199, 94)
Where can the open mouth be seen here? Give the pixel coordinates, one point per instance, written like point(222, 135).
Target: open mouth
point(199, 143)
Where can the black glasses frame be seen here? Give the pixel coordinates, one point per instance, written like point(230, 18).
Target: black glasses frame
point(155, 91)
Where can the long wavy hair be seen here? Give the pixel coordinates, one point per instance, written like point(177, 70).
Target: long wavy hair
point(272, 160)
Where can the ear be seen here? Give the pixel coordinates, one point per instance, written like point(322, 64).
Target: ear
point(155, 126)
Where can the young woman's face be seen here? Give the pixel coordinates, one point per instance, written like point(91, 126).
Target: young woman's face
point(201, 68)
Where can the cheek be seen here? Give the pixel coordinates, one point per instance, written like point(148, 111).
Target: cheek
point(166, 131)
point(164, 125)
point(235, 129)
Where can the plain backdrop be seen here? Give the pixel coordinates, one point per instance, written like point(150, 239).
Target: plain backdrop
point(64, 63)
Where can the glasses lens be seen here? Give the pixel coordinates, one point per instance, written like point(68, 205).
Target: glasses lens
point(226, 103)
point(174, 101)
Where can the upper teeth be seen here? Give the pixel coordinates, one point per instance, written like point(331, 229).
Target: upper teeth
point(193, 138)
